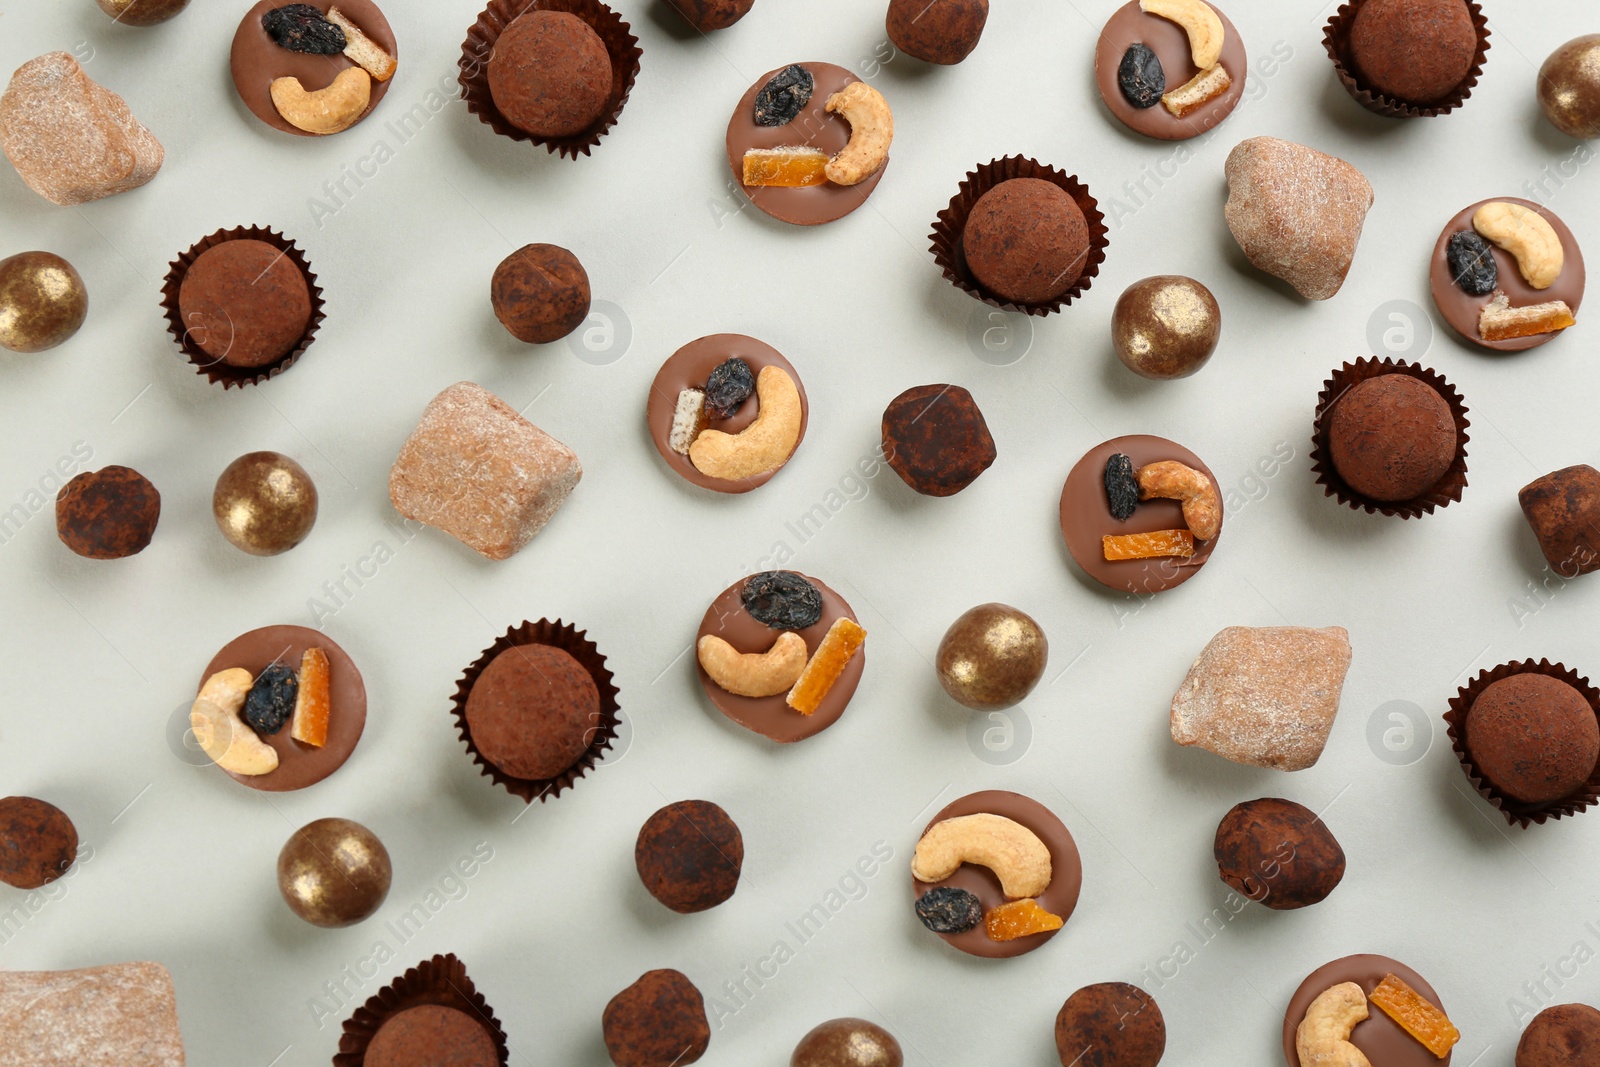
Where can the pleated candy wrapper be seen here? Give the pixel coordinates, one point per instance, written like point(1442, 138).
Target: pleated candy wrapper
point(121, 1015)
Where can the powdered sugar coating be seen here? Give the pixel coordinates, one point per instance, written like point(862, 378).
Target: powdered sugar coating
point(122, 1015)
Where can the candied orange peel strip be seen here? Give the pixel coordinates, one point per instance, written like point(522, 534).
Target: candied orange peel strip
point(1499, 321)
point(1416, 1016)
point(1197, 92)
point(790, 168)
point(311, 704)
point(1019, 918)
point(843, 641)
point(1148, 545)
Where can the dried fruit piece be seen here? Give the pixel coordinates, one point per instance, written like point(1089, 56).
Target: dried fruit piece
point(1122, 488)
point(780, 101)
point(1499, 321)
point(782, 600)
point(214, 720)
point(1019, 918)
point(688, 419)
point(302, 28)
point(871, 133)
point(1140, 76)
point(730, 385)
point(312, 702)
point(753, 674)
point(1416, 1015)
point(328, 110)
point(1171, 480)
point(1528, 236)
point(363, 50)
point(1198, 91)
point(946, 909)
point(843, 641)
point(1148, 545)
point(792, 167)
point(271, 700)
point(1472, 263)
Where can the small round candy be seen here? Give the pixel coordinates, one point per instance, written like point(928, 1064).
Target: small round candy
point(706, 15)
point(540, 293)
point(107, 514)
point(42, 301)
point(264, 503)
point(1166, 327)
point(937, 31)
point(991, 657)
point(142, 12)
point(38, 843)
point(847, 1043)
point(334, 872)
point(1569, 87)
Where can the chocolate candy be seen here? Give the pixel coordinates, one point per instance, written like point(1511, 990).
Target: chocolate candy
point(431, 1034)
point(142, 12)
point(1391, 438)
point(1569, 87)
point(550, 74)
point(991, 657)
point(540, 293)
point(706, 15)
point(245, 303)
point(334, 872)
point(107, 514)
point(936, 439)
point(658, 1021)
point(256, 60)
point(42, 301)
point(531, 711)
point(1166, 327)
point(1278, 853)
point(1533, 737)
point(1111, 1024)
point(1566, 1035)
point(264, 503)
point(1128, 33)
point(1563, 508)
point(1417, 51)
point(1026, 240)
point(1379, 1038)
point(847, 1043)
point(689, 856)
point(38, 843)
point(937, 31)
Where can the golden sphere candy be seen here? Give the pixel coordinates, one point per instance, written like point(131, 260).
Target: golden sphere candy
point(1166, 327)
point(142, 12)
point(1569, 87)
point(847, 1043)
point(991, 657)
point(334, 872)
point(42, 301)
point(264, 503)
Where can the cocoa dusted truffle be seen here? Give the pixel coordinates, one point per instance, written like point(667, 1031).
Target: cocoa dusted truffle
point(245, 303)
point(1533, 737)
point(431, 1034)
point(689, 856)
point(658, 1021)
point(1416, 51)
point(37, 842)
point(1026, 240)
point(531, 711)
point(1278, 853)
point(1565, 1035)
point(937, 31)
point(1392, 437)
point(540, 293)
point(107, 514)
point(1111, 1024)
point(706, 15)
point(1564, 510)
point(550, 74)
point(936, 439)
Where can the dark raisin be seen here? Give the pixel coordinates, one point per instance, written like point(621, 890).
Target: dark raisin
point(729, 386)
point(302, 28)
point(1140, 77)
point(944, 909)
point(271, 699)
point(1122, 488)
point(783, 600)
point(780, 100)
point(1472, 263)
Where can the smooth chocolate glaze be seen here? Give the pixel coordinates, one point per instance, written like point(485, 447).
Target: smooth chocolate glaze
point(1130, 25)
point(257, 59)
point(1379, 1037)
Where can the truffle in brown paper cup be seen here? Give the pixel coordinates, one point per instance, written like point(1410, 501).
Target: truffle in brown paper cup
point(1446, 491)
point(1336, 40)
point(576, 644)
point(621, 45)
point(1517, 813)
point(212, 367)
point(441, 982)
point(948, 226)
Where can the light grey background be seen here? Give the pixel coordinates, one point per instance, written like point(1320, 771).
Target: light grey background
point(178, 862)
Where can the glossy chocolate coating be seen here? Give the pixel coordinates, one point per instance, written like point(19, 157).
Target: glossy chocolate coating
point(264, 503)
point(1569, 87)
point(42, 301)
point(1131, 25)
point(847, 1043)
point(142, 12)
point(1378, 1036)
point(257, 59)
point(1166, 327)
point(334, 872)
point(991, 657)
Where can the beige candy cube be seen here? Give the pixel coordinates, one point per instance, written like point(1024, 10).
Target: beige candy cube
point(482, 473)
point(122, 1015)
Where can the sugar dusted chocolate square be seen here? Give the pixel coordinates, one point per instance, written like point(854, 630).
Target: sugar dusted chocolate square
point(122, 1015)
point(482, 473)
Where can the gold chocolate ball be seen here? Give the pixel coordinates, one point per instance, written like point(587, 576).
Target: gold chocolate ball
point(334, 872)
point(142, 12)
point(991, 657)
point(1166, 327)
point(264, 503)
point(847, 1043)
point(1569, 87)
point(42, 301)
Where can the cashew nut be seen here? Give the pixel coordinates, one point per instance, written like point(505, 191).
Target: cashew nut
point(1012, 851)
point(764, 445)
point(225, 737)
point(1528, 236)
point(1323, 1037)
point(327, 110)
point(1199, 21)
point(1171, 480)
point(754, 674)
point(871, 130)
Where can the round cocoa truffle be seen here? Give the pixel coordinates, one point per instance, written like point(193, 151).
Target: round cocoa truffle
point(689, 856)
point(936, 439)
point(1416, 51)
point(540, 293)
point(1566, 1035)
point(37, 842)
point(847, 1043)
point(1533, 737)
point(245, 303)
point(1392, 437)
point(550, 74)
point(1026, 240)
point(107, 514)
point(937, 31)
point(1278, 853)
point(658, 1021)
point(431, 1035)
point(531, 711)
point(1112, 1024)
point(706, 15)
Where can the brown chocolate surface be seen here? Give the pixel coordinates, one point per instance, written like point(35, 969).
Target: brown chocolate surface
point(1379, 1036)
point(770, 716)
point(431, 1035)
point(1130, 25)
point(299, 764)
point(1066, 873)
point(1460, 308)
point(688, 368)
point(1086, 518)
point(814, 126)
point(257, 59)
